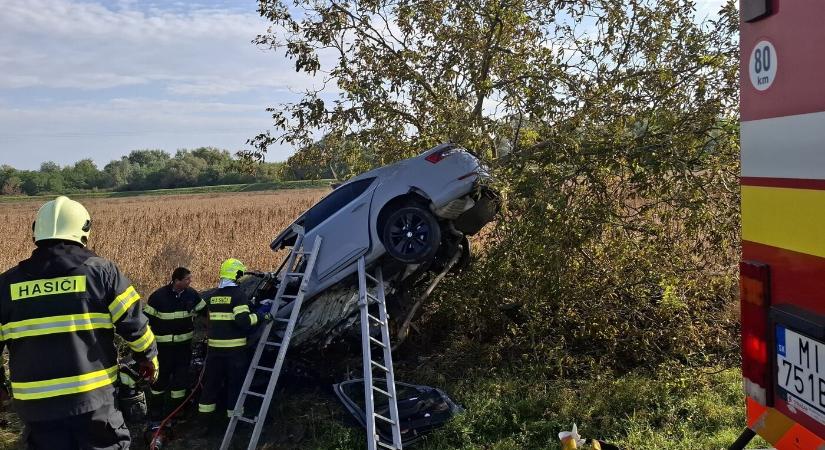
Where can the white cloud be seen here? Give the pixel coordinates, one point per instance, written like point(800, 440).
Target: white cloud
point(78, 79)
point(67, 44)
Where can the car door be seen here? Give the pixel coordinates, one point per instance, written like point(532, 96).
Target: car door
point(342, 219)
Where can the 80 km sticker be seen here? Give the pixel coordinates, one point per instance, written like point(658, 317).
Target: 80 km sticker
point(762, 65)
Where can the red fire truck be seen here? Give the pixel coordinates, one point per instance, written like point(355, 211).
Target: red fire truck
point(782, 273)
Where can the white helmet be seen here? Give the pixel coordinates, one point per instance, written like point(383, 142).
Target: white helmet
point(62, 218)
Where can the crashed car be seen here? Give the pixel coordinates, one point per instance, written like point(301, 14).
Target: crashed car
point(413, 214)
point(406, 210)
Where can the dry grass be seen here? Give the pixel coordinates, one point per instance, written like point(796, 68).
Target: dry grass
point(149, 236)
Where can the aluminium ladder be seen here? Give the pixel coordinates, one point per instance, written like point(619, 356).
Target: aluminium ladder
point(374, 441)
point(270, 339)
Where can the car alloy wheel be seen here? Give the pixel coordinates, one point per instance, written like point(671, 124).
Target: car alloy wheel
point(412, 235)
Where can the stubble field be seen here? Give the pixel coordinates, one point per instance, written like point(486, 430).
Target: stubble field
point(149, 236)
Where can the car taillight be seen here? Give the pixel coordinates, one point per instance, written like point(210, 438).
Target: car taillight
point(438, 156)
point(754, 299)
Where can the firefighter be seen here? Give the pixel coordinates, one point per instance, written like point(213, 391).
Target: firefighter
point(170, 310)
point(230, 320)
point(59, 312)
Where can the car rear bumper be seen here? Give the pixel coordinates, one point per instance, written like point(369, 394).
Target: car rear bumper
point(487, 203)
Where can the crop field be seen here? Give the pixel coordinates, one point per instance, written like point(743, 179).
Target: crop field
point(149, 236)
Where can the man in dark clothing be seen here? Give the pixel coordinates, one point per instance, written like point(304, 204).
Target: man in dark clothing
point(170, 310)
point(230, 320)
point(59, 312)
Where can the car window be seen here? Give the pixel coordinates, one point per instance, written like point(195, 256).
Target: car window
point(336, 200)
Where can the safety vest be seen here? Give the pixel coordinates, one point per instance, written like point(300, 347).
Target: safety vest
point(59, 312)
point(170, 314)
point(230, 319)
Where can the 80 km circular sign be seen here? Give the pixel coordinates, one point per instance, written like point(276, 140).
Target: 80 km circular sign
point(762, 65)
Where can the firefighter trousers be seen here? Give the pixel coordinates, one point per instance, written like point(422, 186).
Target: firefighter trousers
point(222, 380)
point(101, 429)
point(173, 379)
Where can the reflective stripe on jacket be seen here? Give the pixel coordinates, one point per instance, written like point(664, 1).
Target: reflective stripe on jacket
point(59, 312)
point(170, 313)
point(230, 318)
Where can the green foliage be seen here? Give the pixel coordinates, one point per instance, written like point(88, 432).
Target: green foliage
point(688, 410)
point(675, 408)
point(140, 170)
point(612, 129)
point(331, 157)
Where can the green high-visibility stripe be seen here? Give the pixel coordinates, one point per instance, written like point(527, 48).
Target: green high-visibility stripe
point(206, 408)
point(166, 338)
point(55, 324)
point(221, 316)
point(33, 390)
point(166, 315)
point(224, 343)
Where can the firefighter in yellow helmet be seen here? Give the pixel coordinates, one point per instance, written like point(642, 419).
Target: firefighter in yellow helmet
point(59, 312)
point(230, 321)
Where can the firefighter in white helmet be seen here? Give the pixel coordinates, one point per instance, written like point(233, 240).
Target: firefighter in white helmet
point(59, 312)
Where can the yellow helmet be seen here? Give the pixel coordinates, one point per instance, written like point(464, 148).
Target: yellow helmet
point(232, 269)
point(62, 218)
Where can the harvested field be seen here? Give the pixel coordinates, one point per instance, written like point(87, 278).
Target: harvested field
point(149, 236)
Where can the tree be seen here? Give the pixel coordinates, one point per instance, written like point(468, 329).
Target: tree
point(141, 169)
point(12, 186)
point(619, 124)
point(49, 167)
point(412, 74)
point(119, 173)
point(33, 182)
point(182, 171)
point(217, 164)
point(148, 159)
point(213, 156)
point(147, 170)
point(331, 157)
point(83, 175)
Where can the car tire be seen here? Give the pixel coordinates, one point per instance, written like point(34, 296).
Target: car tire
point(411, 234)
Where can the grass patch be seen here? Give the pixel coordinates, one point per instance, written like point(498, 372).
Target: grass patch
point(225, 188)
point(679, 409)
point(673, 409)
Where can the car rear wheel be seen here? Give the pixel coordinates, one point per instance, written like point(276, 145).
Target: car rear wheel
point(411, 235)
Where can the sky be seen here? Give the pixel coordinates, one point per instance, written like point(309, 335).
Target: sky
point(99, 78)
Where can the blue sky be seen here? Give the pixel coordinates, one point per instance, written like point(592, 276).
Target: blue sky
point(97, 79)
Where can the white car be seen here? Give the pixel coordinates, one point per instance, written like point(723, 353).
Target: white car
point(413, 211)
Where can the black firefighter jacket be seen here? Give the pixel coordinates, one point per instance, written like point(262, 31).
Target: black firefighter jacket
point(230, 320)
point(59, 312)
point(170, 313)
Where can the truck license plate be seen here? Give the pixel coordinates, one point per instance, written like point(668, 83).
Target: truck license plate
point(801, 372)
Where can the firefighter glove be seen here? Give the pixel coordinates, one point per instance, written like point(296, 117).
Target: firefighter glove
point(148, 369)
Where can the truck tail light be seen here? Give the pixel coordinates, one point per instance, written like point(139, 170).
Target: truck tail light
point(754, 298)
